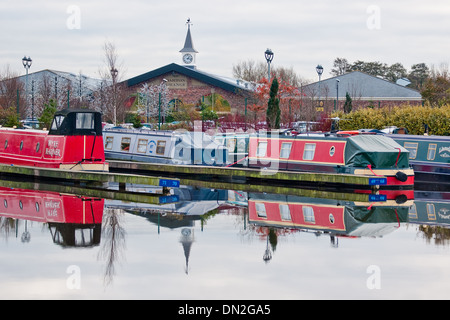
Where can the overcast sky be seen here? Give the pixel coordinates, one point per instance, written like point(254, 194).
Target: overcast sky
point(69, 35)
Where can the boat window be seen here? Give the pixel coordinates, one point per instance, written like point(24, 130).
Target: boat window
point(38, 146)
point(261, 210)
point(142, 145)
point(21, 145)
point(431, 151)
point(6, 143)
point(285, 150)
point(85, 121)
point(285, 213)
point(231, 144)
point(241, 145)
point(262, 149)
point(413, 211)
point(431, 212)
point(160, 147)
point(125, 144)
point(412, 148)
point(57, 121)
point(308, 215)
point(308, 153)
point(109, 143)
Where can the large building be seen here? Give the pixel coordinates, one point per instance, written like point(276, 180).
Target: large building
point(364, 90)
point(187, 85)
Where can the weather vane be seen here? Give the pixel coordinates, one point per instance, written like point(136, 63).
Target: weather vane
point(188, 22)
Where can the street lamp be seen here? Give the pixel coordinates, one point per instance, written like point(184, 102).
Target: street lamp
point(114, 73)
point(319, 70)
point(269, 57)
point(336, 106)
point(27, 64)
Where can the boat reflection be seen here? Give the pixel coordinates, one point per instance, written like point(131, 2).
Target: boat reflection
point(274, 215)
point(73, 221)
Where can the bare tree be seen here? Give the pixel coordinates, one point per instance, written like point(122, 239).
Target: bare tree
point(9, 84)
point(112, 93)
point(253, 71)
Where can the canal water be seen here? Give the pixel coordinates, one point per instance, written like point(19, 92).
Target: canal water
point(198, 243)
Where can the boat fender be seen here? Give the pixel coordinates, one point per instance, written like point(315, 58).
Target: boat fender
point(401, 176)
point(400, 199)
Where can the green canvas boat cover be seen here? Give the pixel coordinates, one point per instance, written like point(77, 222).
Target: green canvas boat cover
point(375, 150)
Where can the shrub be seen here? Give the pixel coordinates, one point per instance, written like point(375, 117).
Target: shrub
point(414, 118)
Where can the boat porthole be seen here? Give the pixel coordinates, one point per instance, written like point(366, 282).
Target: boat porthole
point(38, 145)
point(331, 217)
point(21, 145)
point(332, 150)
point(20, 204)
point(5, 203)
point(37, 207)
point(6, 143)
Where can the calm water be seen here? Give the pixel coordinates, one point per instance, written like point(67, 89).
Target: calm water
point(220, 244)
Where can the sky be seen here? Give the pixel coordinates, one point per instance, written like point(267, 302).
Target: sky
point(69, 35)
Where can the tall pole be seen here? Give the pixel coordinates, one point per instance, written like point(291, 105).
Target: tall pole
point(337, 95)
point(26, 64)
point(159, 113)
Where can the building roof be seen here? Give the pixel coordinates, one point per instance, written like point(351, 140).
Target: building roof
point(88, 83)
point(225, 83)
point(362, 86)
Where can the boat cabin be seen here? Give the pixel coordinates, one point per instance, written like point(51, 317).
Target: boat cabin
point(76, 122)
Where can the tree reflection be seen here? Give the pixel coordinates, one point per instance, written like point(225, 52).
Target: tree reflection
point(113, 242)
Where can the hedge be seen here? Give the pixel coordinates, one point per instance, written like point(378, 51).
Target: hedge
point(410, 117)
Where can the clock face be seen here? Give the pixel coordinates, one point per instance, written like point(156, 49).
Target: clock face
point(188, 58)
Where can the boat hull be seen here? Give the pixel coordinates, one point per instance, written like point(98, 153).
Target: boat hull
point(37, 148)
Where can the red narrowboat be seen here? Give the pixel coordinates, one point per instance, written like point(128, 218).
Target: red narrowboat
point(73, 142)
point(364, 154)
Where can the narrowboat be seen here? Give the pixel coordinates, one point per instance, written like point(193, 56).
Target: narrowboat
point(73, 142)
point(74, 221)
point(363, 154)
point(428, 155)
point(165, 147)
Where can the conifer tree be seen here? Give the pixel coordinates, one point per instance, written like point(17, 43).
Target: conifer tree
point(273, 107)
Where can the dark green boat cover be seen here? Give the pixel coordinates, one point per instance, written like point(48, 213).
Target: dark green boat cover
point(375, 150)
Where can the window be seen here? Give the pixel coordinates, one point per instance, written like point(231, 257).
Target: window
point(160, 147)
point(431, 151)
point(109, 143)
point(241, 145)
point(84, 121)
point(431, 212)
point(57, 121)
point(285, 150)
point(262, 149)
point(285, 213)
point(308, 215)
point(412, 148)
point(231, 144)
point(125, 144)
point(261, 210)
point(142, 145)
point(308, 153)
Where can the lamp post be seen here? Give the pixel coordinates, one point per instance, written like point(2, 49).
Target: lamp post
point(319, 70)
point(159, 103)
point(269, 57)
point(27, 64)
point(337, 95)
point(114, 73)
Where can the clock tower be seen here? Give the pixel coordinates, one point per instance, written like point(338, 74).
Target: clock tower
point(188, 52)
